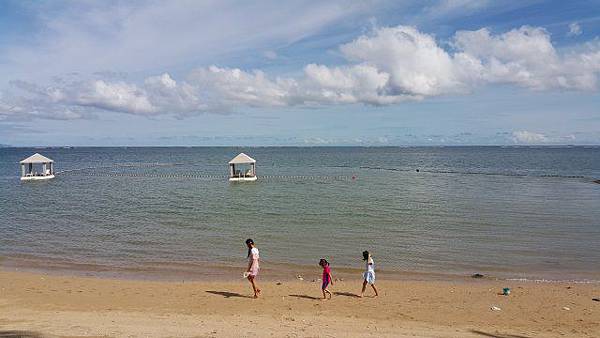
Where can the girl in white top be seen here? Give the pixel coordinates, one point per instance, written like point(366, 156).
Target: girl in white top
point(369, 274)
point(253, 265)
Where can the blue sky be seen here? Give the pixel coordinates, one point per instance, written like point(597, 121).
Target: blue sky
point(454, 72)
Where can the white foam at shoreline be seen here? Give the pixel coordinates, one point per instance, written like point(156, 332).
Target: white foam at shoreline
point(585, 281)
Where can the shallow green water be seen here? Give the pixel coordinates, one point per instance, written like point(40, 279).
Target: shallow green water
point(513, 212)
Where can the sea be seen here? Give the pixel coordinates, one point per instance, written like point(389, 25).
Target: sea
point(508, 212)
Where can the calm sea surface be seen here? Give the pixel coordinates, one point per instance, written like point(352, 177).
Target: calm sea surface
point(511, 212)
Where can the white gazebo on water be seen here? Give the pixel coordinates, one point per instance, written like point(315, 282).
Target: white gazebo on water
point(248, 169)
point(30, 165)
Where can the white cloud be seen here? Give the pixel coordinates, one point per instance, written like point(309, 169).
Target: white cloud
point(271, 55)
point(415, 63)
point(528, 137)
point(387, 66)
point(318, 140)
point(118, 96)
point(234, 87)
point(77, 99)
point(395, 64)
point(574, 29)
point(527, 57)
point(154, 36)
point(355, 84)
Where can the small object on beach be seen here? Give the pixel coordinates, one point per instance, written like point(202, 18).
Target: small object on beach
point(495, 308)
point(566, 308)
point(477, 275)
point(278, 283)
point(418, 170)
point(596, 181)
point(506, 291)
point(299, 277)
point(596, 299)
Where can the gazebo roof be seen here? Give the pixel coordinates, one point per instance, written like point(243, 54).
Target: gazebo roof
point(242, 159)
point(36, 158)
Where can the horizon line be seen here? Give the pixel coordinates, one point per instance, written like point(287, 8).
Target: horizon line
point(6, 146)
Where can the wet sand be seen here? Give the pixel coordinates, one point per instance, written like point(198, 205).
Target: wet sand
point(39, 304)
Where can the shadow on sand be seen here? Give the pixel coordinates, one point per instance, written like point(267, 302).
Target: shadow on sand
point(498, 335)
point(225, 294)
point(305, 297)
point(19, 334)
point(346, 294)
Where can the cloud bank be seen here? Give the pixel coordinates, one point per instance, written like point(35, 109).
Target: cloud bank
point(387, 66)
point(528, 137)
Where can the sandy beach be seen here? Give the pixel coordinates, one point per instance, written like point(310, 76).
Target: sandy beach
point(40, 305)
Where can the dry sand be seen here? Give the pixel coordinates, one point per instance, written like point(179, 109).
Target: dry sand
point(38, 304)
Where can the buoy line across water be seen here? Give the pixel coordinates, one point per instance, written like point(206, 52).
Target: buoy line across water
point(204, 176)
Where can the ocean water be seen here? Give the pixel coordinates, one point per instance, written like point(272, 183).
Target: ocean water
point(514, 212)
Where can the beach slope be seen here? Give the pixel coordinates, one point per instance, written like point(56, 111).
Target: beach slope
point(36, 304)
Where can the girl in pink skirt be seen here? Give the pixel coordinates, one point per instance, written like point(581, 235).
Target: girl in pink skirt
point(253, 266)
point(327, 279)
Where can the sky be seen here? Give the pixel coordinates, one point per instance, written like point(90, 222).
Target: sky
point(301, 73)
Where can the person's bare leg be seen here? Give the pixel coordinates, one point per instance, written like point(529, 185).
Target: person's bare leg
point(375, 289)
point(324, 294)
point(254, 288)
point(364, 287)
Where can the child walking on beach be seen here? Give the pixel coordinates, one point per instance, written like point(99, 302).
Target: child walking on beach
point(327, 279)
point(253, 266)
point(369, 274)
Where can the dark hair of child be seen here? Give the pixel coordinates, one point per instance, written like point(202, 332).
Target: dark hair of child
point(248, 242)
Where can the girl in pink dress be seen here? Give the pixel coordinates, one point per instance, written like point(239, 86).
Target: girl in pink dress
point(253, 266)
point(327, 279)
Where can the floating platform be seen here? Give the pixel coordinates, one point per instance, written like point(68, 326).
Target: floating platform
point(28, 165)
point(242, 175)
point(242, 179)
point(37, 178)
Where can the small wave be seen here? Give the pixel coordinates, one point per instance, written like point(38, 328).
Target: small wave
point(574, 281)
point(466, 172)
point(125, 165)
point(430, 171)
